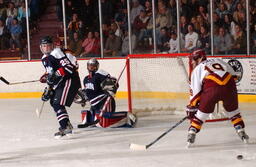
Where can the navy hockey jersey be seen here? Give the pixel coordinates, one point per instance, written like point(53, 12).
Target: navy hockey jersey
point(62, 62)
point(92, 87)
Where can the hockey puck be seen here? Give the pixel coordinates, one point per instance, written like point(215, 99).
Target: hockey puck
point(239, 157)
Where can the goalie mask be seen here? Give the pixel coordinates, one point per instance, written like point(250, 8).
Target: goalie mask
point(46, 45)
point(92, 66)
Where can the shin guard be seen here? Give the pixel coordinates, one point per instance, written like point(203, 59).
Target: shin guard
point(237, 121)
point(196, 124)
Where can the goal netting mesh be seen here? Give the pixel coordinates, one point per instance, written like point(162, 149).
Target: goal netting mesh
point(158, 83)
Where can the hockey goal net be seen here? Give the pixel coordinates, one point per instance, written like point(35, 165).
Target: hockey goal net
point(158, 83)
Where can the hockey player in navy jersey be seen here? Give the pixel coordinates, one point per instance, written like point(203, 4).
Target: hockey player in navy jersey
point(212, 80)
point(63, 81)
point(99, 90)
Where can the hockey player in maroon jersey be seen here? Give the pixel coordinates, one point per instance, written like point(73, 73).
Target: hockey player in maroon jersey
point(99, 90)
point(212, 80)
point(63, 82)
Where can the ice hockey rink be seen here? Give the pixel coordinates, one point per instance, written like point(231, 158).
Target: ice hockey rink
point(27, 141)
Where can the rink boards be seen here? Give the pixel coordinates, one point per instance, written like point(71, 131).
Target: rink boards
point(31, 70)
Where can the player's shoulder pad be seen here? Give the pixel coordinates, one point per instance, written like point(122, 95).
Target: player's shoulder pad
point(44, 56)
point(102, 72)
point(71, 57)
point(57, 53)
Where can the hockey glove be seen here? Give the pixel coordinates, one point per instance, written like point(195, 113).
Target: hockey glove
point(110, 86)
point(53, 78)
point(43, 78)
point(191, 111)
point(48, 93)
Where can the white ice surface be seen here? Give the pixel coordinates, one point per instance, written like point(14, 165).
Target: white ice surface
point(26, 141)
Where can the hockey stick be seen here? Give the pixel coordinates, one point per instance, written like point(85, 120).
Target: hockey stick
point(4, 80)
point(84, 124)
point(15, 83)
point(39, 112)
point(144, 147)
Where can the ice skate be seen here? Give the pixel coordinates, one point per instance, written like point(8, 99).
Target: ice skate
point(191, 138)
point(243, 136)
point(67, 132)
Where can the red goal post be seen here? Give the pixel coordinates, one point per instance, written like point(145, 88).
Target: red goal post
point(158, 82)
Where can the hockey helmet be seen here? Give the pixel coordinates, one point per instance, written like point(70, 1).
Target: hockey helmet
point(195, 58)
point(46, 40)
point(93, 65)
point(46, 45)
point(197, 54)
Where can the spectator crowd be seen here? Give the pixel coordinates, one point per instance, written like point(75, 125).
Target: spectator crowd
point(83, 30)
point(13, 22)
point(229, 26)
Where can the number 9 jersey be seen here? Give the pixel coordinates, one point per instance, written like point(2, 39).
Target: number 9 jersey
point(210, 78)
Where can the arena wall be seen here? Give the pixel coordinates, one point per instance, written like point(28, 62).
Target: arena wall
point(31, 70)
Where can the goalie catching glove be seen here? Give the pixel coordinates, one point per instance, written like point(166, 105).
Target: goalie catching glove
point(191, 111)
point(110, 86)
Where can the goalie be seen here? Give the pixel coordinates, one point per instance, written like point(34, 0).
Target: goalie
point(212, 80)
point(99, 90)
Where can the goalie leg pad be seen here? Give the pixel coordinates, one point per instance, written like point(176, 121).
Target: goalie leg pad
point(88, 119)
point(117, 120)
point(87, 116)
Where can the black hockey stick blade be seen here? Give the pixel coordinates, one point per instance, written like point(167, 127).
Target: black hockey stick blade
point(4, 80)
point(145, 147)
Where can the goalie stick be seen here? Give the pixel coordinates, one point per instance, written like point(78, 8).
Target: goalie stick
point(108, 99)
point(15, 83)
point(144, 147)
